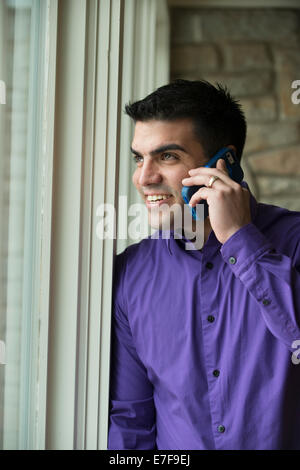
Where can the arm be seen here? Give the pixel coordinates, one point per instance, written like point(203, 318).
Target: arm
point(272, 278)
point(132, 412)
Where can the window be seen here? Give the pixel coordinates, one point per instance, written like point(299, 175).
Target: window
point(22, 188)
point(67, 74)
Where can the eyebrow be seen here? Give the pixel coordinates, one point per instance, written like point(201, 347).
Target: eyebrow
point(162, 148)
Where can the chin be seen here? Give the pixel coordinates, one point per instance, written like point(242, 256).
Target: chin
point(168, 218)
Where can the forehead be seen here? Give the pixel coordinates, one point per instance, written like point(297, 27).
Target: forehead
point(151, 134)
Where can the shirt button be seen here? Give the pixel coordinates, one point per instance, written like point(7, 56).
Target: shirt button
point(266, 302)
point(209, 265)
point(216, 373)
point(232, 260)
point(221, 428)
point(210, 318)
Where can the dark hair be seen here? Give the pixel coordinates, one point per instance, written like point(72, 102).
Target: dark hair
point(217, 116)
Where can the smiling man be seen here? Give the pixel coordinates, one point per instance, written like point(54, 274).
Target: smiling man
point(202, 340)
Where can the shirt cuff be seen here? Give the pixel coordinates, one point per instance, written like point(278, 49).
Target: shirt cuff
point(244, 247)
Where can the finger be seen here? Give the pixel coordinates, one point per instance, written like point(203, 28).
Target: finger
point(205, 193)
point(201, 172)
point(200, 180)
point(202, 193)
point(221, 165)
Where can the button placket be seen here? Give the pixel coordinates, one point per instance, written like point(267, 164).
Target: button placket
point(210, 353)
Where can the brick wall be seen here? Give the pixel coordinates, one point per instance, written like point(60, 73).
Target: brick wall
point(256, 53)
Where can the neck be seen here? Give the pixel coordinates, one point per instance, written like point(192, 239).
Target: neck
point(206, 230)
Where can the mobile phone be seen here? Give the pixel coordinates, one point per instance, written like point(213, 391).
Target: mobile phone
point(234, 170)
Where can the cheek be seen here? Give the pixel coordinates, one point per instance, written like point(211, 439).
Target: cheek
point(176, 180)
point(135, 178)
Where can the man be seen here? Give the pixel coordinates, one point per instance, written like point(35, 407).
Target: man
point(203, 340)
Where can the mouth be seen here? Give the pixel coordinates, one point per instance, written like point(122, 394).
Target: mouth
point(156, 200)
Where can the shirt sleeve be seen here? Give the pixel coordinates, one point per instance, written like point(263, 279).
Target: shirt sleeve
point(132, 411)
point(272, 279)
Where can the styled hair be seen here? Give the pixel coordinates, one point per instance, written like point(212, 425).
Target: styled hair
point(218, 118)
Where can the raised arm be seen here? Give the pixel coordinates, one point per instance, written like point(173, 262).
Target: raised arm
point(271, 277)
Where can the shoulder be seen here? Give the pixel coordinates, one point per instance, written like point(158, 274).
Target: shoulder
point(136, 253)
point(279, 224)
point(136, 264)
point(269, 216)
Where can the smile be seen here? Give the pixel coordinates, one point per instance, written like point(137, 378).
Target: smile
point(158, 197)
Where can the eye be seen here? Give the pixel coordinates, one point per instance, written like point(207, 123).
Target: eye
point(137, 158)
point(169, 156)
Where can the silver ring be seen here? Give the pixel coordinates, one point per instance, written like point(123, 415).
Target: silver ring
point(212, 180)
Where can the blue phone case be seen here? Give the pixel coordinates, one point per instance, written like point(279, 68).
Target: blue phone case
point(234, 170)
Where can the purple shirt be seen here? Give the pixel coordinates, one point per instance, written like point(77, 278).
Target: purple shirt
point(202, 340)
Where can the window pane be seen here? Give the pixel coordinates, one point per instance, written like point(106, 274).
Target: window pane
point(19, 25)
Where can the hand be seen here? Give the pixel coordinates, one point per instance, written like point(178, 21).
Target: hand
point(229, 202)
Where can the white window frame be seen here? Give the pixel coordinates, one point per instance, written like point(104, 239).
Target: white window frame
point(24, 428)
point(36, 289)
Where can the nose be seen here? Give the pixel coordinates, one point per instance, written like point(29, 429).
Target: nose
point(149, 173)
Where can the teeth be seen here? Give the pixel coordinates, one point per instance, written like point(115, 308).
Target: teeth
point(156, 197)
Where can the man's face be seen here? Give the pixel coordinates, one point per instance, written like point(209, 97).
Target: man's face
point(164, 152)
